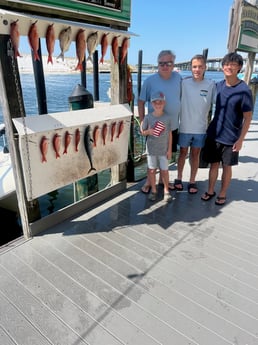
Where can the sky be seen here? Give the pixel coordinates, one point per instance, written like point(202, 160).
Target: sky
point(186, 27)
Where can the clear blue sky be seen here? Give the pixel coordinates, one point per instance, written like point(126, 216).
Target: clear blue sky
point(186, 27)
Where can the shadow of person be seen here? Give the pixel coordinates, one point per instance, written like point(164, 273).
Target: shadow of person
point(248, 159)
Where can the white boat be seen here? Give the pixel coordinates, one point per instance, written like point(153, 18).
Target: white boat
point(8, 198)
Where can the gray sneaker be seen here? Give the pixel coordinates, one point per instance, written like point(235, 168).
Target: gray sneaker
point(152, 196)
point(167, 197)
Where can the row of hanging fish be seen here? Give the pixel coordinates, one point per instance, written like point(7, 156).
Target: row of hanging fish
point(98, 133)
point(116, 128)
point(56, 144)
point(65, 38)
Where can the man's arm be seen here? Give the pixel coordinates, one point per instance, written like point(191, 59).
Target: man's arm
point(141, 109)
point(170, 140)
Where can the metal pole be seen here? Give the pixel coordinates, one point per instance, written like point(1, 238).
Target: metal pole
point(96, 75)
point(139, 77)
point(83, 73)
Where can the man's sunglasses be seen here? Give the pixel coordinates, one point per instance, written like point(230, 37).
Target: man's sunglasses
point(166, 63)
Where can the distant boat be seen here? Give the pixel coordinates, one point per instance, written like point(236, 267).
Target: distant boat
point(8, 198)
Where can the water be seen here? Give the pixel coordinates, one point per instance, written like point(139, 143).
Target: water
point(58, 89)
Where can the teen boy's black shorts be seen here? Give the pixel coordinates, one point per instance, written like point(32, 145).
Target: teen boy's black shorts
point(216, 152)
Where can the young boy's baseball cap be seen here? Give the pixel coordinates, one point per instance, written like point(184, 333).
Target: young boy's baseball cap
point(158, 96)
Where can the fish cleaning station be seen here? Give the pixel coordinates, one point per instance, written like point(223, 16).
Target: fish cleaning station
point(50, 151)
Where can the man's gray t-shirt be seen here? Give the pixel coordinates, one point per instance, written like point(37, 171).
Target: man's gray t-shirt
point(171, 88)
point(196, 102)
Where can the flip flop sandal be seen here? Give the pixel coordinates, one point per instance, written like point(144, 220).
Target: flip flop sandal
point(220, 200)
point(192, 186)
point(206, 196)
point(145, 189)
point(171, 186)
point(178, 185)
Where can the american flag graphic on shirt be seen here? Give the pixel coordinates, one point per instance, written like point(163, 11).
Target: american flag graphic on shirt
point(158, 128)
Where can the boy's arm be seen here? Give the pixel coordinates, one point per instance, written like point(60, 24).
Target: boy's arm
point(246, 124)
point(145, 127)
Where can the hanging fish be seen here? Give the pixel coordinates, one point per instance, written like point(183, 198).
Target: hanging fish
point(113, 130)
point(88, 147)
point(15, 37)
point(65, 38)
point(33, 37)
point(57, 144)
point(77, 138)
point(67, 140)
point(104, 133)
point(124, 49)
point(80, 43)
point(43, 148)
point(92, 42)
point(104, 46)
point(114, 48)
point(120, 128)
point(50, 42)
point(96, 131)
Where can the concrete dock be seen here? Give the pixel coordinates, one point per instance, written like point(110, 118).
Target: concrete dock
point(136, 272)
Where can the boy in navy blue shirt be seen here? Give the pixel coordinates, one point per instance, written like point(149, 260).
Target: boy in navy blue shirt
point(228, 128)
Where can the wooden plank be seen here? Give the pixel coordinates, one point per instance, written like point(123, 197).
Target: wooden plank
point(116, 304)
point(20, 328)
point(75, 290)
point(5, 338)
point(141, 302)
point(57, 308)
point(208, 322)
point(184, 230)
point(147, 294)
point(37, 313)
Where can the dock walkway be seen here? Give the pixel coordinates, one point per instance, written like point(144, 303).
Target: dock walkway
point(135, 272)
